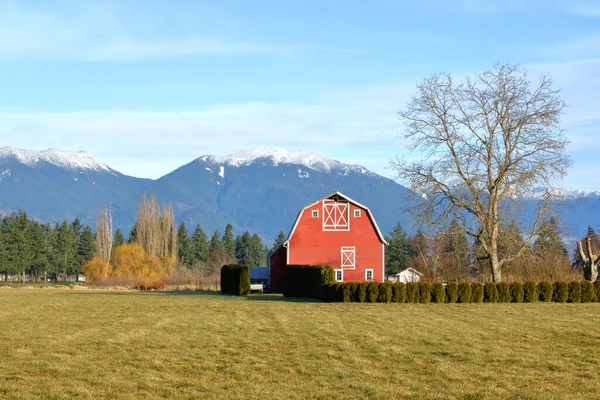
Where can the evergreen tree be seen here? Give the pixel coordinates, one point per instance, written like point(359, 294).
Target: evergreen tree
point(184, 246)
point(250, 250)
point(549, 241)
point(86, 246)
point(64, 252)
point(132, 235)
point(396, 253)
point(279, 241)
point(200, 247)
point(18, 250)
point(119, 239)
point(37, 240)
point(228, 242)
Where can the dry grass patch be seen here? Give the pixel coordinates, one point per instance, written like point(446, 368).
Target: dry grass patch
point(106, 344)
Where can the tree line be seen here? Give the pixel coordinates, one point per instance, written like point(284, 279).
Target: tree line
point(450, 256)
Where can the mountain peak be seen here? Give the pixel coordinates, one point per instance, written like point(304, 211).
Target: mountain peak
point(64, 159)
point(309, 158)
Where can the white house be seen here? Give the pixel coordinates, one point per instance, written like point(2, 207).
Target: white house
point(409, 275)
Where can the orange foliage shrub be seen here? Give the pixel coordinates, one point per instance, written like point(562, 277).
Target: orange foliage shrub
point(96, 270)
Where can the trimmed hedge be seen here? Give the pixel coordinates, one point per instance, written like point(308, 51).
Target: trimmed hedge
point(575, 292)
point(588, 293)
point(530, 292)
point(425, 292)
point(561, 292)
point(490, 293)
point(597, 288)
point(464, 292)
point(476, 292)
point(235, 279)
point(413, 292)
point(504, 295)
point(373, 292)
point(385, 292)
point(516, 292)
point(545, 291)
point(306, 280)
point(438, 293)
point(361, 292)
point(399, 292)
point(451, 292)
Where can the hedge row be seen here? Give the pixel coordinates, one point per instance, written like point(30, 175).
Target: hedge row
point(424, 292)
point(235, 279)
point(306, 280)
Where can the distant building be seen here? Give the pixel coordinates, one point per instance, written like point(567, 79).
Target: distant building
point(409, 275)
point(334, 230)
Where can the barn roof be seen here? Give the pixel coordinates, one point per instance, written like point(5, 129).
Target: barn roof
point(336, 194)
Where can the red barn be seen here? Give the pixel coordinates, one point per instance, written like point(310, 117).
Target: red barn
point(338, 231)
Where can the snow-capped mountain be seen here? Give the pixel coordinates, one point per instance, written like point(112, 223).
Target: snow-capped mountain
point(259, 189)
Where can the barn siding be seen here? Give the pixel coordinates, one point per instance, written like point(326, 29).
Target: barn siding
point(278, 261)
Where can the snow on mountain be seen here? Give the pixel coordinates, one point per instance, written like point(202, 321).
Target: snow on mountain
point(64, 159)
point(308, 158)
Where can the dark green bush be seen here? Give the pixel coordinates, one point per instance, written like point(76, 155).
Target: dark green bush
point(361, 292)
point(235, 279)
point(464, 292)
point(399, 292)
point(545, 291)
point(490, 292)
point(346, 292)
point(476, 292)
point(413, 292)
point(575, 292)
point(385, 292)
point(373, 292)
point(531, 293)
point(597, 288)
point(517, 292)
point(438, 293)
point(425, 292)
point(588, 293)
point(561, 292)
point(329, 293)
point(306, 280)
point(504, 295)
point(451, 292)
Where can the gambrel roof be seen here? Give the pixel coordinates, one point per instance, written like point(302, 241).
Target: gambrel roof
point(336, 195)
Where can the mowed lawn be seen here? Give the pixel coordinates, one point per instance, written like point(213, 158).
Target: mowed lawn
point(59, 344)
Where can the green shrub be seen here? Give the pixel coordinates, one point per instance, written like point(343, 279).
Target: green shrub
point(588, 293)
point(438, 293)
point(353, 288)
point(413, 292)
point(425, 292)
point(451, 292)
point(385, 292)
point(561, 292)
point(399, 292)
point(531, 293)
point(361, 292)
point(346, 294)
point(490, 292)
point(476, 292)
point(464, 292)
point(306, 280)
point(545, 291)
point(597, 287)
point(575, 292)
point(504, 295)
point(329, 293)
point(235, 279)
point(373, 292)
point(517, 292)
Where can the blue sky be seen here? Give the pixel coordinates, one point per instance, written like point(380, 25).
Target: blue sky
point(147, 86)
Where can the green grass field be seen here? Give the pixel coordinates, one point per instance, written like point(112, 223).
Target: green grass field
point(63, 344)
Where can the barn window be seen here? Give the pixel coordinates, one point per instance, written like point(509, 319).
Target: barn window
point(348, 258)
point(339, 275)
point(336, 216)
point(315, 213)
point(369, 275)
point(356, 213)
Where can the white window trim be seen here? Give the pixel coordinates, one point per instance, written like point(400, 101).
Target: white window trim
point(336, 217)
point(340, 271)
point(357, 213)
point(344, 256)
point(367, 275)
point(315, 213)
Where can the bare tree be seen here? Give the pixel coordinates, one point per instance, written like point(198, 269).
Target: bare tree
point(589, 259)
point(104, 239)
point(484, 142)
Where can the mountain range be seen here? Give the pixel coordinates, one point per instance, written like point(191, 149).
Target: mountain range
point(260, 190)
